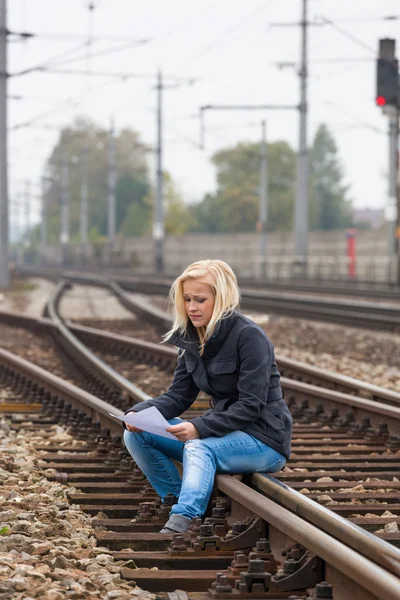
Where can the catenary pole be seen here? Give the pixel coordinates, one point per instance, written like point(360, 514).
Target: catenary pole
point(398, 199)
point(21, 221)
point(301, 206)
point(4, 272)
point(43, 222)
point(263, 187)
point(112, 180)
point(83, 221)
point(158, 225)
point(27, 206)
point(392, 187)
point(263, 201)
point(233, 107)
point(64, 232)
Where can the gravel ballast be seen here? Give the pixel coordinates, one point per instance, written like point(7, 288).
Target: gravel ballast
point(47, 546)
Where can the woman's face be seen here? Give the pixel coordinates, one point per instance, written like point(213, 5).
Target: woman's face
point(199, 301)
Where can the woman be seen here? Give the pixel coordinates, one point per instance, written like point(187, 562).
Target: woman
point(230, 358)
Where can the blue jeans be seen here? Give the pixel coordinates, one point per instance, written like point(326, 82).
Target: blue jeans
point(236, 452)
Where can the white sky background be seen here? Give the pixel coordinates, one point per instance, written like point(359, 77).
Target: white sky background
point(231, 48)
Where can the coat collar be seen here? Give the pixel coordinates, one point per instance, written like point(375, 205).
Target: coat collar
point(190, 341)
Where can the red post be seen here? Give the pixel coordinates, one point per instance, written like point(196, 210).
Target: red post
point(351, 252)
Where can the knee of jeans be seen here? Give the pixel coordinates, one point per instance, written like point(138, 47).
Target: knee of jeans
point(277, 466)
point(134, 437)
point(195, 447)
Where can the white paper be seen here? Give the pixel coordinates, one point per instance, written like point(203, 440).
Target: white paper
point(149, 419)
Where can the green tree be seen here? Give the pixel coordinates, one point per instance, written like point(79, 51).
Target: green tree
point(235, 205)
point(207, 214)
point(134, 210)
point(330, 206)
point(178, 217)
point(132, 178)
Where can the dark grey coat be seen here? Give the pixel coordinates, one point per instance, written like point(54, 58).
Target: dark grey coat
point(239, 372)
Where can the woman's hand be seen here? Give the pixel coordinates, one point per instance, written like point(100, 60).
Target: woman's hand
point(184, 431)
point(130, 427)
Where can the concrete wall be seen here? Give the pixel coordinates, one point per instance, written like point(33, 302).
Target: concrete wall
point(327, 253)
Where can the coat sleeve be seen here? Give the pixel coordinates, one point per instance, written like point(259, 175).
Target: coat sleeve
point(256, 357)
point(179, 397)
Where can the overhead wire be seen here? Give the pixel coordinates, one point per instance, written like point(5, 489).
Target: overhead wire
point(45, 66)
point(316, 79)
point(61, 37)
point(350, 36)
point(232, 29)
point(43, 35)
point(72, 101)
point(124, 75)
point(387, 18)
point(355, 117)
point(48, 61)
point(204, 50)
point(131, 43)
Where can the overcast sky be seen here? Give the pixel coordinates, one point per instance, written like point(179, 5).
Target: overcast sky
point(229, 49)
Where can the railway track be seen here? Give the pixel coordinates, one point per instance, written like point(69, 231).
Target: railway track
point(311, 553)
point(321, 442)
point(346, 312)
point(366, 290)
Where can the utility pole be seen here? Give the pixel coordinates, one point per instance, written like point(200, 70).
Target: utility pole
point(392, 189)
point(21, 221)
point(398, 204)
point(4, 273)
point(64, 232)
point(27, 203)
point(263, 189)
point(83, 221)
point(233, 107)
point(263, 201)
point(158, 225)
point(43, 228)
point(301, 206)
point(84, 208)
point(112, 181)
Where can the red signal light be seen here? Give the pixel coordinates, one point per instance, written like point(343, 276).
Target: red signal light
point(381, 101)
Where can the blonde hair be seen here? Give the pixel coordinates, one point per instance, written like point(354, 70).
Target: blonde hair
point(224, 285)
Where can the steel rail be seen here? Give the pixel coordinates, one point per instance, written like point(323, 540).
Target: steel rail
point(88, 357)
point(292, 370)
point(361, 406)
point(142, 308)
point(359, 539)
point(164, 321)
point(355, 536)
point(368, 547)
point(389, 408)
point(373, 408)
point(318, 286)
point(352, 315)
point(296, 369)
point(92, 406)
point(361, 314)
point(335, 288)
point(352, 563)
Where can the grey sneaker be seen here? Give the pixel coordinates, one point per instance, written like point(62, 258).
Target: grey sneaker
point(176, 524)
